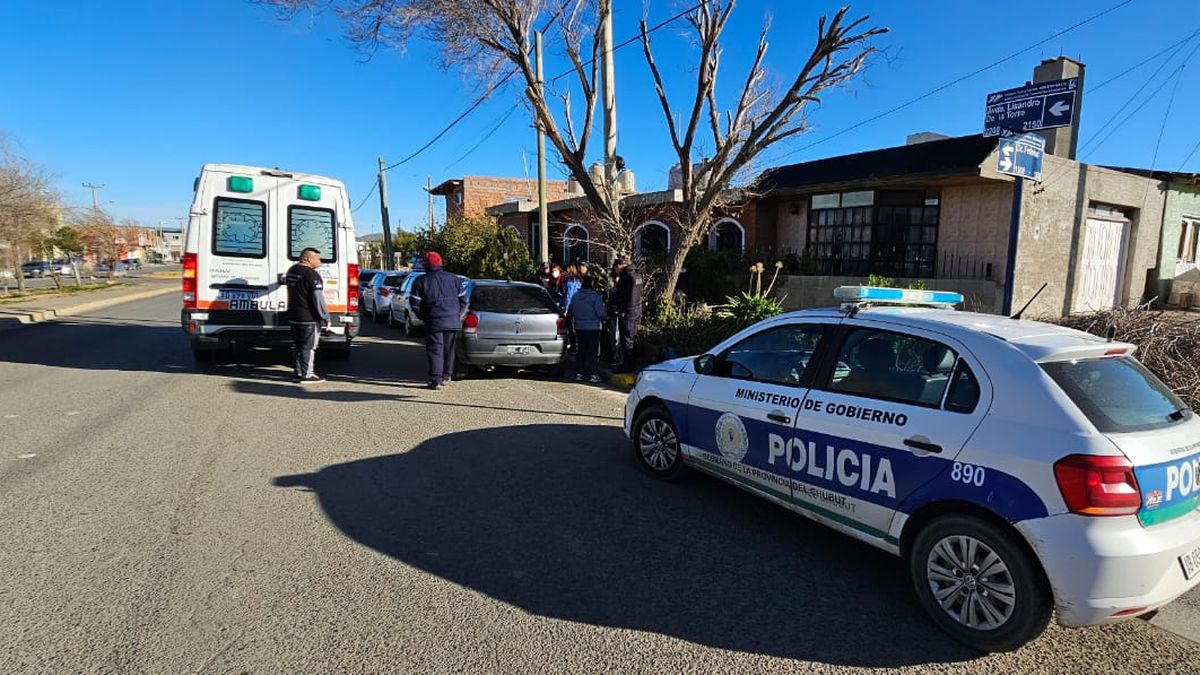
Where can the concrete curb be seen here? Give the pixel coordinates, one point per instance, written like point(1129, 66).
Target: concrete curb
point(33, 316)
point(623, 380)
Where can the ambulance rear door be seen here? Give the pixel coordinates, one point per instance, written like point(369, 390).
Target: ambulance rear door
point(236, 278)
point(310, 214)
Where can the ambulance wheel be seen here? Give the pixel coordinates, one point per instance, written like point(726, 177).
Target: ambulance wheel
point(979, 583)
point(202, 355)
point(656, 443)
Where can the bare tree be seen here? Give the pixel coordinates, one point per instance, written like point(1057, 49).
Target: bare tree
point(760, 118)
point(484, 38)
point(28, 208)
point(100, 235)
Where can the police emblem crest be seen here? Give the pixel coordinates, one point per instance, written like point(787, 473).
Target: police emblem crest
point(732, 440)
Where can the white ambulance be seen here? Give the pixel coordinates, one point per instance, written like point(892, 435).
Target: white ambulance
point(247, 226)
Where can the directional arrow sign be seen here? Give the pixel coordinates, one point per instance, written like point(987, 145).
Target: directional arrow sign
point(1044, 105)
point(1021, 155)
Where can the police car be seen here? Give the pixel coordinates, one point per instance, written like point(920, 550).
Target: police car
point(1018, 467)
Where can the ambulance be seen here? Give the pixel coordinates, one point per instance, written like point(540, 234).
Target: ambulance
point(246, 227)
point(1021, 470)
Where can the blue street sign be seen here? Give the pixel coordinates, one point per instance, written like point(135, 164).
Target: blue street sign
point(1021, 155)
point(1044, 105)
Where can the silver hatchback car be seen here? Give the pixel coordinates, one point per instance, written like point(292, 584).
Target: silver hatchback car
point(513, 324)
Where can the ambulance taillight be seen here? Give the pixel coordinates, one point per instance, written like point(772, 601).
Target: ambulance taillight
point(352, 288)
point(189, 281)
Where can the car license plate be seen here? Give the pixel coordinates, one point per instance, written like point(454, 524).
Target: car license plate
point(519, 349)
point(1190, 563)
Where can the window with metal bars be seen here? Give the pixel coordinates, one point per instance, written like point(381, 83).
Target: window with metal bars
point(893, 234)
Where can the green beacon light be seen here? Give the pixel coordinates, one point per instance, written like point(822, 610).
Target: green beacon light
point(310, 193)
point(241, 184)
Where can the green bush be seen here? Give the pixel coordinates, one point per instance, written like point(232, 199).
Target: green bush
point(474, 247)
point(748, 309)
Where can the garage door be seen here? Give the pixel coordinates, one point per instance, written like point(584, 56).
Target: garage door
point(1101, 266)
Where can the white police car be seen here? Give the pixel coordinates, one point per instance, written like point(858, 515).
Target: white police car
point(1018, 467)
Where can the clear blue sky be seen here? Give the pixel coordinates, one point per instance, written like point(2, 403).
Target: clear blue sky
point(138, 94)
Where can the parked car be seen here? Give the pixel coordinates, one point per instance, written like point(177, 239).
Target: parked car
point(63, 267)
point(364, 278)
point(103, 268)
point(377, 295)
point(132, 264)
point(512, 324)
point(35, 269)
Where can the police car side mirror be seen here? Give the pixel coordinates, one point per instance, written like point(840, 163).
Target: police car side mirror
point(705, 364)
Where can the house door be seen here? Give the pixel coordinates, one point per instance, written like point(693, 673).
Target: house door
point(1101, 265)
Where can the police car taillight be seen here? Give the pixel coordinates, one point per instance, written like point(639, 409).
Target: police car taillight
point(470, 323)
point(352, 287)
point(1098, 485)
point(189, 281)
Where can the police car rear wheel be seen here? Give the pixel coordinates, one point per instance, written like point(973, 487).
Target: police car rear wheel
point(656, 443)
point(978, 583)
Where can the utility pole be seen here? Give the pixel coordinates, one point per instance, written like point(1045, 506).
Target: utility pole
point(543, 220)
point(429, 193)
point(1014, 232)
point(389, 258)
point(95, 188)
point(608, 85)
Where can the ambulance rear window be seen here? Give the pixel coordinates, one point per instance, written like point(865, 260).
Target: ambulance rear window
point(1118, 394)
point(310, 227)
point(239, 228)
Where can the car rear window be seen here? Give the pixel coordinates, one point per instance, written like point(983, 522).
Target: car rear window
point(512, 300)
point(392, 280)
point(365, 278)
point(240, 228)
point(311, 228)
point(1118, 394)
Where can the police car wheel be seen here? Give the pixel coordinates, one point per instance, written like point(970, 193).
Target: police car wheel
point(979, 584)
point(656, 443)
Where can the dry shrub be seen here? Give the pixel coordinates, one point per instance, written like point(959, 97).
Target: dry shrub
point(1168, 343)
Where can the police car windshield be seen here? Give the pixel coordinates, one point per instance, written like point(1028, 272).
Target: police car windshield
point(1118, 394)
point(512, 300)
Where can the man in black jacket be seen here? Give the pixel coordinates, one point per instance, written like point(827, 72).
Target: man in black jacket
point(626, 305)
point(306, 312)
point(440, 301)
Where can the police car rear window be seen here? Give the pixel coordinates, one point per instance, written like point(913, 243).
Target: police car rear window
point(512, 300)
point(1118, 394)
point(894, 367)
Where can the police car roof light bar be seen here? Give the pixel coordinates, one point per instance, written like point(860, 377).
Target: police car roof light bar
point(856, 295)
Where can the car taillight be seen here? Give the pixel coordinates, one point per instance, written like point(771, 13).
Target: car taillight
point(1098, 485)
point(562, 325)
point(470, 323)
point(383, 292)
point(351, 287)
point(189, 281)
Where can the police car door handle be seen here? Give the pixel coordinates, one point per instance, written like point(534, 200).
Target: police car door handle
point(779, 417)
point(924, 446)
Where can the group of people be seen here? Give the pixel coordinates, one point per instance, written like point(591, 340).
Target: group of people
point(439, 298)
point(596, 323)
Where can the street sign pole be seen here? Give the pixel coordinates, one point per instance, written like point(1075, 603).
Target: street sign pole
point(1014, 230)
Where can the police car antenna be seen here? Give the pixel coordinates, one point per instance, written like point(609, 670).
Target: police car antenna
point(1027, 304)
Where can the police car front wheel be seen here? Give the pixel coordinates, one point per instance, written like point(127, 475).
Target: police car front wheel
point(656, 443)
point(979, 584)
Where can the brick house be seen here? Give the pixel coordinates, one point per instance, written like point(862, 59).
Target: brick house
point(470, 196)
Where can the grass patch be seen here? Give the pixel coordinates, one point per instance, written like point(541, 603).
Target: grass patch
point(165, 274)
point(17, 296)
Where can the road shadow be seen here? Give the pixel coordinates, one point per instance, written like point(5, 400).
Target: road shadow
point(557, 520)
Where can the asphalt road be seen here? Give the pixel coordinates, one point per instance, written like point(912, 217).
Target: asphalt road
point(163, 518)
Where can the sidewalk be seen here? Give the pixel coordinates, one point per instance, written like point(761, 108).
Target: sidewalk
point(37, 310)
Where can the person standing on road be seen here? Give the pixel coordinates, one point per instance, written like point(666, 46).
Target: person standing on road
point(306, 312)
point(626, 305)
point(587, 318)
point(439, 299)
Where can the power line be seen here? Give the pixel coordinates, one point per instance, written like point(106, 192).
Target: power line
point(1189, 156)
point(1139, 64)
point(953, 82)
point(486, 136)
point(656, 27)
point(374, 186)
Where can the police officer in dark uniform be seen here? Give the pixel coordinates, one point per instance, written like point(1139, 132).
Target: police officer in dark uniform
point(440, 301)
point(306, 312)
point(626, 305)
